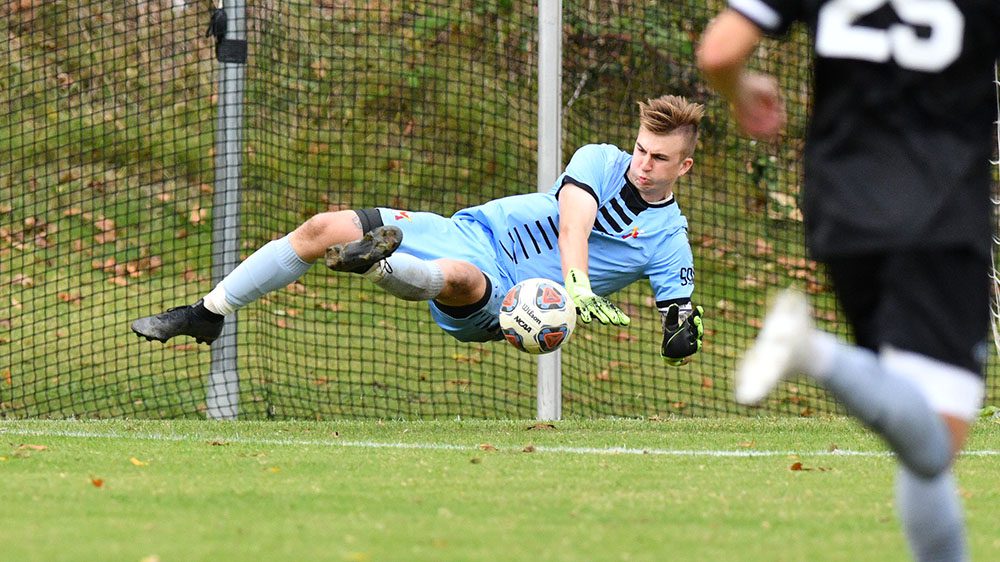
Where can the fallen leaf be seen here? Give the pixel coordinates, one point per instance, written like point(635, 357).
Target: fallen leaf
point(97, 482)
point(137, 462)
point(624, 336)
point(528, 449)
point(71, 298)
point(545, 426)
point(32, 447)
point(487, 447)
point(796, 466)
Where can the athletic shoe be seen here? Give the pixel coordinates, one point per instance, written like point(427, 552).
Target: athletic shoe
point(780, 350)
point(180, 320)
point(360, 255)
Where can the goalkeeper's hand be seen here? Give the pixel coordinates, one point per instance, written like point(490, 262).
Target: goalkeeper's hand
point(681, 340)
point(589, 305)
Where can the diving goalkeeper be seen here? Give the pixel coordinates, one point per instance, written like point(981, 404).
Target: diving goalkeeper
point(610, 219)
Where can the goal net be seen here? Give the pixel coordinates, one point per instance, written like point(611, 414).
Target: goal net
point(108, 177)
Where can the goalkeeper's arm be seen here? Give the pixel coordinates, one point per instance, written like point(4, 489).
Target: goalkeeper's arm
point(577, 210)
point(682, 332)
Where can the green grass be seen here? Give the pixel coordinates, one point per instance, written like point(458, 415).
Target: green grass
point(108, 130)
point(187, 490)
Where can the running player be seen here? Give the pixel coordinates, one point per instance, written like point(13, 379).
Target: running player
point(896, 202)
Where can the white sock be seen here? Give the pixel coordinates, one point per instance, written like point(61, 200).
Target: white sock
point(889, 404)
point(931, 513)
point(215, 301)
point(407, 277)
point(822, 350)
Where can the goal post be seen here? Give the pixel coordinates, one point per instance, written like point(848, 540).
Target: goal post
point(549, 165)
point(222, 390)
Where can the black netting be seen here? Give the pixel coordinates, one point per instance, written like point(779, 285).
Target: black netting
point(109, 173)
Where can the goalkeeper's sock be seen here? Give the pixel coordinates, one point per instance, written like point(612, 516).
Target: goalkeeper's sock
point(407, 277)
point(931, 514)
point(273, 266)
point(890, 405)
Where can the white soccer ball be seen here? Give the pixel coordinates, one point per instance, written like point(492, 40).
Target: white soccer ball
point(537, 316)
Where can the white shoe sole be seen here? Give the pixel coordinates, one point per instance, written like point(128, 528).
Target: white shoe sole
point(775, 354)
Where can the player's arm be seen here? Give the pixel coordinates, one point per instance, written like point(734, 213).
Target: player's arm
point(577, 213)
point(682, 332)
point(722, 55)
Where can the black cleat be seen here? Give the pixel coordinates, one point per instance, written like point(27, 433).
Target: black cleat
point(188, 320)
point(360, 255)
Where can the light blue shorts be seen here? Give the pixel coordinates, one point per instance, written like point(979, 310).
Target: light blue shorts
point(430, 236)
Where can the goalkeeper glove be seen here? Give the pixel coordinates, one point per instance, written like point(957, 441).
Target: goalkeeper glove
point(589, 305)
point(681, 340)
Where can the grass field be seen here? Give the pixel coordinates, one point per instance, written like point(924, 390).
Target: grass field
point(687, 489)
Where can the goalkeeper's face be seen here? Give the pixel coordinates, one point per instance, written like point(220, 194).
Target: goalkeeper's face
point(657, 162)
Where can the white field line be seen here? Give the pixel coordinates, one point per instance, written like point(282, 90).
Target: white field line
point(452, 447)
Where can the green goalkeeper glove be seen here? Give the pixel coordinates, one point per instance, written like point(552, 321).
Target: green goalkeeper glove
point(681, 340)
point(589, 305)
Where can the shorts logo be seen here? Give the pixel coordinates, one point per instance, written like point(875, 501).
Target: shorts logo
point(633, 234)
point(400, 215)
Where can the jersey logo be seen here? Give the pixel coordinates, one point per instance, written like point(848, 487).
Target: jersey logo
point(633, 234)
point(400, 215)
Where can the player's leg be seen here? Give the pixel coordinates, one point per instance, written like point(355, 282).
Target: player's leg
point(275, 265)
point(929, 506)
point(936, 340)
point(418, 271)
point(476, 321)
point(891, 405)
point(921, 401)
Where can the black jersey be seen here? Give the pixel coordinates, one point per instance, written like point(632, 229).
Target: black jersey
point(898, 147)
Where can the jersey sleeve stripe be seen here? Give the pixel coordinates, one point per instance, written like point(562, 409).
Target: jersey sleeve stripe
point(545, 236)
point(555, 229)
point(621, 212)
point(581, 185)
point(524, 251)
point(758, 12)
point(534, 242)
point(610, 220)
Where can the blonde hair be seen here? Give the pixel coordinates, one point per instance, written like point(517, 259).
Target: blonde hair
point(669, 114)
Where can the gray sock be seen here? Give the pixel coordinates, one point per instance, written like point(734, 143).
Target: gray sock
point(891, 406)
point(273, 266)
point(931, 513)
point(408, 277)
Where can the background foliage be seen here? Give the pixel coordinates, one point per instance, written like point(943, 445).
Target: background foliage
point(107, 127)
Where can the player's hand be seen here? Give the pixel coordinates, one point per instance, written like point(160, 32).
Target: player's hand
point(589, 305)
point(759, 109)
point(681, 340)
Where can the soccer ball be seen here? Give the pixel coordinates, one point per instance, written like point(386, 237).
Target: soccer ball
point(537, 316)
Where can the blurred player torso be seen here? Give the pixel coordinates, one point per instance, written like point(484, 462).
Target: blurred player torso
point(899, 144)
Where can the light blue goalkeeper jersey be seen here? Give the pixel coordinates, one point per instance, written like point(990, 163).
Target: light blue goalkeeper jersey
point(631, 239)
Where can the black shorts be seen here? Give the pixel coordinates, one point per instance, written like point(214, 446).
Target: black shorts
point(935, 302)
